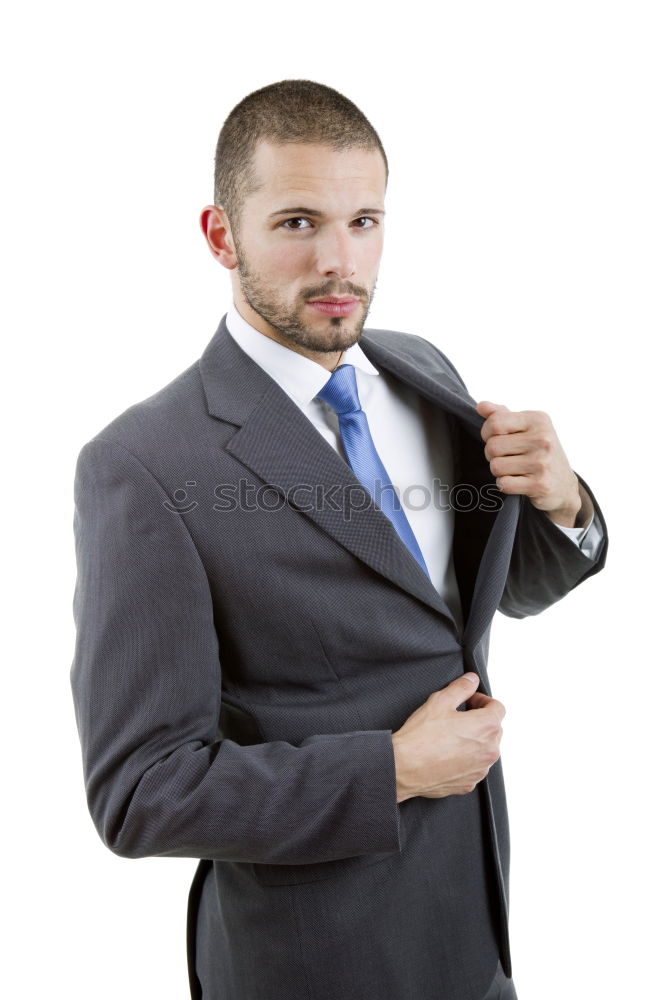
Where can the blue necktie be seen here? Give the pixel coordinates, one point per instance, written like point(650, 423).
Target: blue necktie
point(341, 393)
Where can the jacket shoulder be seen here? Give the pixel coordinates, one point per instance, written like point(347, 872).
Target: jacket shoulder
point(415, 349)
point(144, 426)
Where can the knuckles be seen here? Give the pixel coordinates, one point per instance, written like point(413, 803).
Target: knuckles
point(540, 428)
point(543, 444)
point(541, 420)
point(479, 774)
point(466, 789)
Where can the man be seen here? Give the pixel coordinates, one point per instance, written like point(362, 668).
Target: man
point(280, 668)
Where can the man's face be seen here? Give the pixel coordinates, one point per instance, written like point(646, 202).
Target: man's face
point(314, 229)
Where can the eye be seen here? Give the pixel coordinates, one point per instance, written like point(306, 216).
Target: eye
point(301, 218)
point(294, 219)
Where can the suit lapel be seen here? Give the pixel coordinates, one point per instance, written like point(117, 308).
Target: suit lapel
point(277, 442)
point(436, 386)
point(444, 391)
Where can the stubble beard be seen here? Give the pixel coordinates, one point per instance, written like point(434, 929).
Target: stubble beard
point(339, 333)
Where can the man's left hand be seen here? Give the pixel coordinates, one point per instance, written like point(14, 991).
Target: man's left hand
point(526, 456)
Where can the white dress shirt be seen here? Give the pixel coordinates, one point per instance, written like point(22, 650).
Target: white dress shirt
point(407, 433)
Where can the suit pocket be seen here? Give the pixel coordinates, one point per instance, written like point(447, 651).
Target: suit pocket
point(270, 874)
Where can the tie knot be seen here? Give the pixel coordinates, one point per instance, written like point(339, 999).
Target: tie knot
point(341, 391)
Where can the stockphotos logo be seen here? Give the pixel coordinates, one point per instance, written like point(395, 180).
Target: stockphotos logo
point(343, 498)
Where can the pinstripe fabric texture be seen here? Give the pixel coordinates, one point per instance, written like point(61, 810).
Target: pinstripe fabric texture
point(245, 647)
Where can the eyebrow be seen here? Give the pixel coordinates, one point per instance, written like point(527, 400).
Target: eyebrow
point(300, 210)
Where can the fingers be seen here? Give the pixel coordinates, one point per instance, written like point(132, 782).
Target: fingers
point(501, 421)
point(478, 700)
point(460, 690)
point(464, 689)
point(485, 408)
point(483, 701)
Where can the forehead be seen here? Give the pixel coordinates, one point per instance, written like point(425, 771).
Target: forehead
point(311, 168)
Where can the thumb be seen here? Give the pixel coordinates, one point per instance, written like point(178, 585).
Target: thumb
point(485, 408)
point(461, 688)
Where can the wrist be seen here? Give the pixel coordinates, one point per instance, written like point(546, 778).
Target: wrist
point(402, 792)
point(569, 513)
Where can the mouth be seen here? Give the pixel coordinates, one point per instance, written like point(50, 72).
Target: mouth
point(332, 305)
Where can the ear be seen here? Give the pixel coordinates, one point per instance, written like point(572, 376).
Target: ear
point(215, 227)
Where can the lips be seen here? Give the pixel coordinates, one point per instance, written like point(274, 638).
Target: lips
point(334, 307)
point(336, 300)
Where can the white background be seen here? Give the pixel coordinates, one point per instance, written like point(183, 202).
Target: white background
point(525, 237)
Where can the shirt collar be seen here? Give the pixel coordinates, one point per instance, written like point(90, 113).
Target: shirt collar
point(300, 377)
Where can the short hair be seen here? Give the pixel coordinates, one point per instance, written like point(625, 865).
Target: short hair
point(291, 111)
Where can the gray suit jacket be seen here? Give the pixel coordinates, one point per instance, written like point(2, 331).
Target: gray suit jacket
point(244, 651)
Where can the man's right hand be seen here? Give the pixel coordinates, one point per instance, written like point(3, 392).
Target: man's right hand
point(440, 751)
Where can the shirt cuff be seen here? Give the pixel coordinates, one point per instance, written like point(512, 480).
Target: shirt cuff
point(587, 539)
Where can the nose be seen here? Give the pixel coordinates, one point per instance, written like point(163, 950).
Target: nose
point(336, 254)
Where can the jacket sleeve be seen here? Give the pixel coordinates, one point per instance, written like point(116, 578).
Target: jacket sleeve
point(147, 686)
point(545, 564)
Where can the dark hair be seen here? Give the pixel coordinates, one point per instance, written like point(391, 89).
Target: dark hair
point(298, 111)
